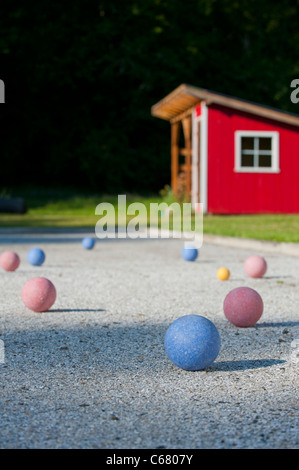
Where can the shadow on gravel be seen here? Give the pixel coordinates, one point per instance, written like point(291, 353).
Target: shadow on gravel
point(281, 324)
point(107, 346)
point(244, 364)
point(277, 277)
point(62, 310)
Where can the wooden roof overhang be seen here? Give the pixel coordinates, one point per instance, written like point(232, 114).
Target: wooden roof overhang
point(180, 102)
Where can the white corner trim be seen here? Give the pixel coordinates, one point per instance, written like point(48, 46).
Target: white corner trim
point(195, 154)
point(204, 157)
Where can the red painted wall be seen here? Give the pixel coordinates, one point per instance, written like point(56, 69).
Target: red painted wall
point(244, 193)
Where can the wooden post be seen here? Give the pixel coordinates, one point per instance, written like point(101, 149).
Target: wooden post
point(175, 133)
point(187, 125)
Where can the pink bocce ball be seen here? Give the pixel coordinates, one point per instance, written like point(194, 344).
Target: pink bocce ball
point(243, 306)
point(38, 294)
point(255, 266)
point(9, 261)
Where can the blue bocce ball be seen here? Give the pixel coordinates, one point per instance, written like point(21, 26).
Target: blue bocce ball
point(192, 342)
point(189, 253)
point(88, 243)
point(36, 256)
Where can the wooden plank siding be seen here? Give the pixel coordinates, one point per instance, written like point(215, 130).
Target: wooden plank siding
point(233, 192)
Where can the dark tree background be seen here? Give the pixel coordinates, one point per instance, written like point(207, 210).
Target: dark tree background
point(81, 78)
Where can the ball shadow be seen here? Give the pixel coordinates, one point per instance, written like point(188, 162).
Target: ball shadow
point(62, 310)
point(243, 364)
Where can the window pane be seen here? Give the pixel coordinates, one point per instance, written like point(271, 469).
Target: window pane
point(265, 143)
point(247, 160)
point(265, 160)
point(247, 143)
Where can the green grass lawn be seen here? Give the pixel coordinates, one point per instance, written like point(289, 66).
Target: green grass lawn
point(66, 208)
point(280, 228)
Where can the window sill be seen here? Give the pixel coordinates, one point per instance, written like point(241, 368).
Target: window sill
point(257, 170)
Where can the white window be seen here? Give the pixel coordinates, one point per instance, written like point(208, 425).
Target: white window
point(256, 152)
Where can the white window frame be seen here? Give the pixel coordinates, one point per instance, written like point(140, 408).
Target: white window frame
point(256, 169)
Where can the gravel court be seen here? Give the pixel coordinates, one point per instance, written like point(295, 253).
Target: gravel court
point(92, 371)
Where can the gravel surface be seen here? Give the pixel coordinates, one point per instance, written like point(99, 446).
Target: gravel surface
point(92, 371)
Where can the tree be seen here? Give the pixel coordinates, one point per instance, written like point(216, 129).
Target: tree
point(81, 78)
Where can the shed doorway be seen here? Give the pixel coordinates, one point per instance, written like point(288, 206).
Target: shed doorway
point(185, 159)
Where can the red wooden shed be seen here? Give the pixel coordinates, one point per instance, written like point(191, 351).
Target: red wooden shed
point(232, 155)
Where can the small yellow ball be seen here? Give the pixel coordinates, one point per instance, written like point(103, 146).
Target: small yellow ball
point(223, 274)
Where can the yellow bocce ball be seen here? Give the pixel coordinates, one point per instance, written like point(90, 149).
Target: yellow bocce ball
point(223, 274)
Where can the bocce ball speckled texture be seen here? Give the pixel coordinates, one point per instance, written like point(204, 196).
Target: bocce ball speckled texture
point(192, 342)
point(189, 253)
point(255, 266)
point(36, 256)
point(243, 306)
point(38, 294)
point(9, 261)
point(88, 243)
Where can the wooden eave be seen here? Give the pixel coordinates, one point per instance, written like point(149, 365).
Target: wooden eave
point(182, 100)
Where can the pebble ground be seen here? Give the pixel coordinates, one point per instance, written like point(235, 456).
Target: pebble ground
point(92, 371)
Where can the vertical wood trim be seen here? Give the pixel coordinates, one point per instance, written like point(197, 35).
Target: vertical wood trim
point(186, 123)
point(204, 157)
point(175, 132)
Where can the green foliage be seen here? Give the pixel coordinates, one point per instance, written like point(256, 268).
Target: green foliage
point(81, 78)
